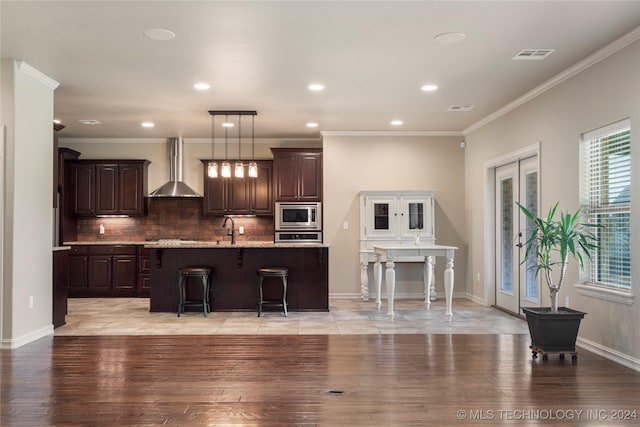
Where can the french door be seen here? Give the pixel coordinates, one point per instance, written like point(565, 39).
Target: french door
point(516, 282)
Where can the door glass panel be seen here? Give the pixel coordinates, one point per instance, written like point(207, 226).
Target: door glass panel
point(381, 216)
point(506, 235)
point(531, 203)
point(416, 216)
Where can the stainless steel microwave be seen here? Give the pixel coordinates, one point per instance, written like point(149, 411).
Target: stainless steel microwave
point(305, 216)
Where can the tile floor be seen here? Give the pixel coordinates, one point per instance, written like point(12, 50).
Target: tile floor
point(130, 316)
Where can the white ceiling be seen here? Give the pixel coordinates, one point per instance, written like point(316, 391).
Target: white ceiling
point(373, 57)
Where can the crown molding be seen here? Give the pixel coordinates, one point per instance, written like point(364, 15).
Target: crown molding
point(28, 70)
point(389, 133)
point(577, 68)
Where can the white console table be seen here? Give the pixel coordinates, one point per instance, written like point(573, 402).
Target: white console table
point(390, 254)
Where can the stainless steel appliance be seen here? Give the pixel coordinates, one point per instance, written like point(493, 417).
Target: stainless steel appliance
point(298, 216)
point(299, 236)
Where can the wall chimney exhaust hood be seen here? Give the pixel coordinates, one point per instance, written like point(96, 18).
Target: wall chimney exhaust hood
point(175, 187)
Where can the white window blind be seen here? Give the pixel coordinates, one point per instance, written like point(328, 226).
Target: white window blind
point(607, 185)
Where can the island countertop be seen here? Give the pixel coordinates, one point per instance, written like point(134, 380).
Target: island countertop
point(179, 243)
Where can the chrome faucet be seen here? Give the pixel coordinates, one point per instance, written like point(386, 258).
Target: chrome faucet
point(233, 228)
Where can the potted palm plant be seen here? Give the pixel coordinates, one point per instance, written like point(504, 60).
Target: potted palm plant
point(554, 241)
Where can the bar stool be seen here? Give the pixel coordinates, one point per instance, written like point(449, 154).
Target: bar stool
point(273, 272)
point(184, 274)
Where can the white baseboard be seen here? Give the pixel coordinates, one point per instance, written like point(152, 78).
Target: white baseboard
point(10, 344)
point(609, 353)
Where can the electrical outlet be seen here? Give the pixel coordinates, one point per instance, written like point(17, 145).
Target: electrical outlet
point(478, 278)
point(345, 225)
point(31, 302)
point(241, 229)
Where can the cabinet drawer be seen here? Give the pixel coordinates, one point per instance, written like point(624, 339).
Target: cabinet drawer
point(112, 250)
point(78, 250)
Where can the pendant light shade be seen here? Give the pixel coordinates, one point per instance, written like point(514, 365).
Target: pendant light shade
point(224, 171)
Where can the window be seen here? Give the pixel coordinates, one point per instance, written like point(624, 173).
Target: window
point(606, 199)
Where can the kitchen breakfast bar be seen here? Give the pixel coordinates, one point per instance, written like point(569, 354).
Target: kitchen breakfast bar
point(234, 283)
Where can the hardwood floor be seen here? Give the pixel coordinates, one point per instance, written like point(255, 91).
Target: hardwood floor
point(277, 380)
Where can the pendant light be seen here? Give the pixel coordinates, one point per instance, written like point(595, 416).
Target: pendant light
point(226, 166)
point(253, 166)
point(239, 167)
point(212, 166)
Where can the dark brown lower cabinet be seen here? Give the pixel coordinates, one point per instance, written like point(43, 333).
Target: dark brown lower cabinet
point(103, 271)
point(144, 271)
point(234, 283)
point(60, 284)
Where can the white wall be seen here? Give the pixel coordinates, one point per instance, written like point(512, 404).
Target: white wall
point(604, 93)
point(27, 111)
point(356, 163)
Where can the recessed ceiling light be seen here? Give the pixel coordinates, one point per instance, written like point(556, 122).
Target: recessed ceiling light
point(56, 121)
point(429, 87)
point(159, 34)
point(227, 125)
point(148, 125)
point(202, 86)
point(316, 87)
point(90, 122)
point(312, 125)
point(450, 38)
point(396, 122)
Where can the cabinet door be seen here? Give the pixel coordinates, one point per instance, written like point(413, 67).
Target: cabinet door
point(237, 200)
point(286, 177)
point(214, 196)
point(124, 274)
point(78, 282)
point(83, 189)
point(107, 189)
point(130, 191)
point(99, 274)
point(416, 216)
point(310, 176)
point(381, 217)
point(261, 192)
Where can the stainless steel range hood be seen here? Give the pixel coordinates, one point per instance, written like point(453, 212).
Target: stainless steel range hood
point(175, 187)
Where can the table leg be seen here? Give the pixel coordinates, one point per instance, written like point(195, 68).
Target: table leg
point(377, 277)
point(427, 275)
point(432, 264)
point(448, 287)
point(364, 281)
point(390, 278)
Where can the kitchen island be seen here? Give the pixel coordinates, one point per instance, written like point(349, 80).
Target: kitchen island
point(234, 284)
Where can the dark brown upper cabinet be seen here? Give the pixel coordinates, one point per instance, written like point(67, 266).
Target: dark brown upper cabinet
point(239, 196)
point(297, 174)
point(109, 187)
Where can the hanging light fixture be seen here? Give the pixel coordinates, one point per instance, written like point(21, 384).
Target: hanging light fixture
point(212, 166)
point(239, 167)
point(225, 167)
point(253, 166)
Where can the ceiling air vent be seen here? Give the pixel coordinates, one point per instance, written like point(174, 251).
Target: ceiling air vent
point(537, 54)
point(460, 108)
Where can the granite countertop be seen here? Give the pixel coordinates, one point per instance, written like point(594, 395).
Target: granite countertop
point(60, 248)
point(177, 243)
point(170, 244)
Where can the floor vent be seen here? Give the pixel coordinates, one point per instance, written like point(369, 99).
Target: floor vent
point(335, 392)
point(536, 54)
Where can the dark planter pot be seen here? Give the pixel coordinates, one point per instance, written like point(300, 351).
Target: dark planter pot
point(553, 332)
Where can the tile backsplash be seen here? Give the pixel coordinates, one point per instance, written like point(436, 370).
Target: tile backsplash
point(172, 219)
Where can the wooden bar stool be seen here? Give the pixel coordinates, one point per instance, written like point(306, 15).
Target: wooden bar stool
point(184, 274)
point(273, 272)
